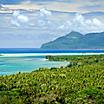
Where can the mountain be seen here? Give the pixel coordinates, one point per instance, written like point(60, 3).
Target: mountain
point(75, 40)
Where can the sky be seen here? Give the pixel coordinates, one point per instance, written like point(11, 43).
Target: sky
point(30, 23)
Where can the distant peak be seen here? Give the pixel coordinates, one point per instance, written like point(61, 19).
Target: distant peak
point(74, 32)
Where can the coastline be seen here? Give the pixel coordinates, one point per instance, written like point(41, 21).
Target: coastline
point(13, 63)
point(45, 54)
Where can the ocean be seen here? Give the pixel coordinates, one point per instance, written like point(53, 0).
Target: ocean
point(14, 60)
point(35, 50)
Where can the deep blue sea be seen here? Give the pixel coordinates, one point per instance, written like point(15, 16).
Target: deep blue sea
point(34, 50)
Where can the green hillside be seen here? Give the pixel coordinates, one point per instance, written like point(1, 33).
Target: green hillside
point(75, 40)
point(81, 82)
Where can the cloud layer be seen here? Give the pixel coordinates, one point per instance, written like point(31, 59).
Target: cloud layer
point(31, 29)
point(58, 5)
point(80, 24)
point(46, 19)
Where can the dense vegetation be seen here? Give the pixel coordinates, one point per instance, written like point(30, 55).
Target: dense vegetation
point(81, 82)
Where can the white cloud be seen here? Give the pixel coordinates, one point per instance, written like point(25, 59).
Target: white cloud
point(97, 22)
point(80, 24)
point(15, 23)
point(46, 19)
point(88, 25)
point(45, 12)
point(16, 13)
point(61, 27)
point(79, 18)
point(18, 18)
point(22, 18)
point(40, 19)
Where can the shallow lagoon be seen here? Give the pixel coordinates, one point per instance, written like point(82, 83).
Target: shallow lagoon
point(11, 65)
point(27, 62)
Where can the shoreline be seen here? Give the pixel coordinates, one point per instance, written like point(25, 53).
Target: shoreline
point(44, 54)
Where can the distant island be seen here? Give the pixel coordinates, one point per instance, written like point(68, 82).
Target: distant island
point(76, 40)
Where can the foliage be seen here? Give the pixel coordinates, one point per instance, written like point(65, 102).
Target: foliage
point(81, 82)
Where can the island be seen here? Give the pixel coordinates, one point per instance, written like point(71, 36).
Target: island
point(76, 40)
point(80, 82)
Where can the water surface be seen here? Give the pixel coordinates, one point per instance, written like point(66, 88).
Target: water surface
point(11, 65)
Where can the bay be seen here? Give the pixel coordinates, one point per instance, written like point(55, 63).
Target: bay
point(12, 65)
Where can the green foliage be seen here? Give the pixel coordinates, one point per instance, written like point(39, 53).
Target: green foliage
point(81, 82)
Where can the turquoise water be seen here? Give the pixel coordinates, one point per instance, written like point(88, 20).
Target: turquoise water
point(11, 65)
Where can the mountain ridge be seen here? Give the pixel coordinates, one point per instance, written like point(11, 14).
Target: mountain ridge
point(76, 40)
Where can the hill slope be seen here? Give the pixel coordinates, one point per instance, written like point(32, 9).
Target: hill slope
point(75, 40)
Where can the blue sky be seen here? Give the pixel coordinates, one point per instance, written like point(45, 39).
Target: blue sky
point(19, 1)
point(30, 23)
